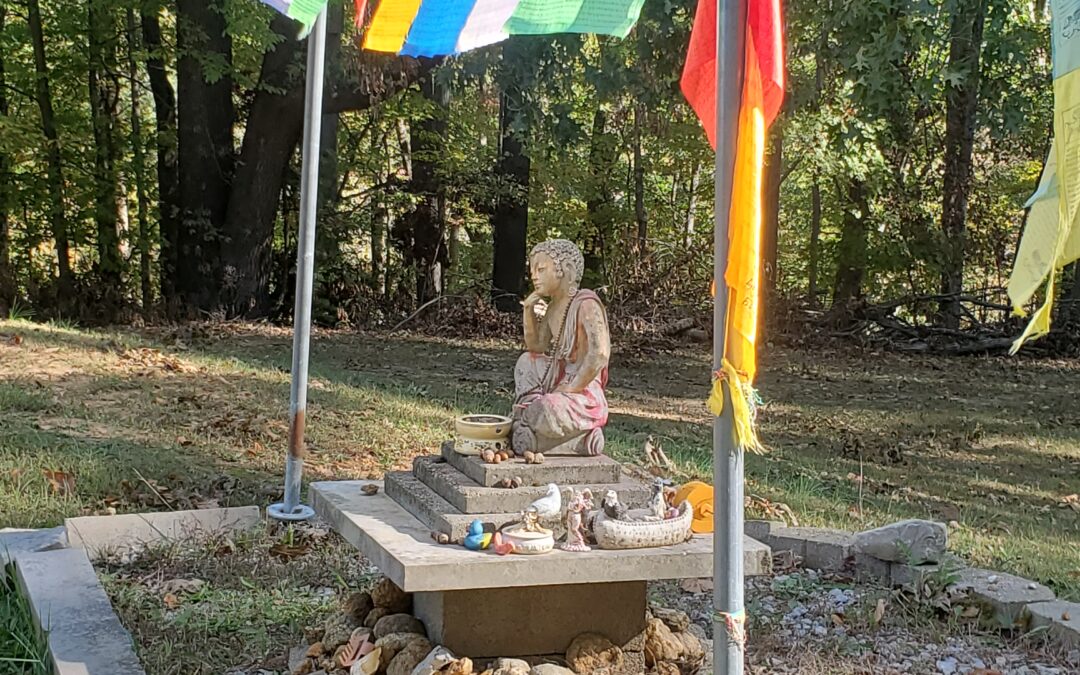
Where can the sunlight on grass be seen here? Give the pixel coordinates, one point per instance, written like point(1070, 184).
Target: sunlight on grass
point(23, 651)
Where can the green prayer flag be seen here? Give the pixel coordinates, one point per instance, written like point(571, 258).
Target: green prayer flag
point(542, 17)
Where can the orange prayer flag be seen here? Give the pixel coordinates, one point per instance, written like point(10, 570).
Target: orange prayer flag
point(762, 94)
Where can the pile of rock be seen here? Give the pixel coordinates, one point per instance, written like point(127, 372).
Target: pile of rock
point(375, 634)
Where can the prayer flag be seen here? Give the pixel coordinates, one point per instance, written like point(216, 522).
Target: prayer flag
point(762, 94)
point(607, 17)
point(437, 27)
point(390, 25)
point(1051, 237)
point(304, 11)
point(485, 24)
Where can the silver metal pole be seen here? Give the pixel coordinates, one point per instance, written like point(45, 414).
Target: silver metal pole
point(728, 645)
point(292, 509)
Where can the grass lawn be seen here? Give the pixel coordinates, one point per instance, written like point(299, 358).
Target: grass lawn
point(96, 422)
point(22, 649)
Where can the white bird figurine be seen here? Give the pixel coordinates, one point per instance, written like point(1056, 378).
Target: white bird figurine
point(548, 506)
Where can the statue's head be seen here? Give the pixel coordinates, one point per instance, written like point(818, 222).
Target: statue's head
point(556, 265)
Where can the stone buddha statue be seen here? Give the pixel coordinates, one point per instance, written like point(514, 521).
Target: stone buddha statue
point(559, 406)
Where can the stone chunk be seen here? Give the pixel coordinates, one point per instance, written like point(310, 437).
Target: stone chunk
point(591, 652)
point(358, 606)
point(104, 535)
point(387, 595)
point(676, 620)
point(398, 623)
point(1061, 619)
point(550, 669)
point(68, 602)
point(510, 667)
point(660, 643)
point(909, 541)
point(1004, 594)
point(409, 658)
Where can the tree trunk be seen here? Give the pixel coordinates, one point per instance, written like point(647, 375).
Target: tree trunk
point(7, 280)
point(815, 244)
point(403, 136)
point(510, 221)
point(54, 164)
point(139, 169)
point(851, 255)
point(104, 88)
point(774, 176)
point(328, 139)
point(691, 205)
point(598, 203)
point(274, 126)
point(165, 142)
point(639, 181)
point(206, 154)
point(427, 250)
point(961, 101)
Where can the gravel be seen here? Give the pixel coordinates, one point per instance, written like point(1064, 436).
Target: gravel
point(807, 622)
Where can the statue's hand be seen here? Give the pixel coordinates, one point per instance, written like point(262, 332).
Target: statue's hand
point(536, 303)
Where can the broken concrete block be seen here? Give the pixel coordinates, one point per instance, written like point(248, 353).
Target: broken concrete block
point(1061, 619)
point(1005, 595)
point(869, 569)
point(14, 542)
point(104, 535)
point(909, 541)
point(827, 549)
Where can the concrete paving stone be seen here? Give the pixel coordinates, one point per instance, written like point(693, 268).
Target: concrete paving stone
point(15, 542)
point(827, 549)
point(1005, 594)
point(558, 470)
point(68, 602)
point(911, 576)
point(760, 529)
point(1061, 619)
point(104, 535)
point(468, 496)
point(869, 569)
point(402, 548)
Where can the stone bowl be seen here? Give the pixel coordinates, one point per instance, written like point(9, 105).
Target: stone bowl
point(529, 543)
point(476, 433)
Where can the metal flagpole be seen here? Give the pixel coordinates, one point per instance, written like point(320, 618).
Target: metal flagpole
point(729, 612)
point(292, 509)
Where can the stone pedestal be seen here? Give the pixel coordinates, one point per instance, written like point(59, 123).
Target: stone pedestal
point(532, 620)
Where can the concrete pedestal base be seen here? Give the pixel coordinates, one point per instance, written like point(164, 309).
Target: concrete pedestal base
point(532, 620)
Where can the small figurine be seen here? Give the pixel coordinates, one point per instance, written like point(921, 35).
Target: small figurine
point(613, 508)
point(501, 546)
point(657, 503)
point(547, 507)
point(580, 504)
point(477, 539)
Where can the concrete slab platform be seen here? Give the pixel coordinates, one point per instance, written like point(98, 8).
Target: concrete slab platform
point(68, 602)
point(558, 470)
point(402, 548)
point(468, 496)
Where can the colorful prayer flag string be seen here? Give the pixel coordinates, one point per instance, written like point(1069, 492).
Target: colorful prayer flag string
point(304, 11)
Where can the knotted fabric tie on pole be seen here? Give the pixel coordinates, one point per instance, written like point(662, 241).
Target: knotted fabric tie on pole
point(743, 407)
point(735, 623)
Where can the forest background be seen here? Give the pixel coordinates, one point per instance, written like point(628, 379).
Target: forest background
point(149, 169)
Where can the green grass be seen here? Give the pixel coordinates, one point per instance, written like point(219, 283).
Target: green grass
point(180, 416)
point(23, 651)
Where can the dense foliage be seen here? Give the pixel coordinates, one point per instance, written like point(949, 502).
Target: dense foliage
point(149, 161)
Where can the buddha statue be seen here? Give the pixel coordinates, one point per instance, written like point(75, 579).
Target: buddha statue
point(559, 406)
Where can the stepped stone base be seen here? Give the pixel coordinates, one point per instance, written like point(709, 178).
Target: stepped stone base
point(559, 470)
point(468, 496)
point(437, 514)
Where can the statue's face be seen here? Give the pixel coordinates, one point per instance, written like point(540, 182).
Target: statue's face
point(545, 277)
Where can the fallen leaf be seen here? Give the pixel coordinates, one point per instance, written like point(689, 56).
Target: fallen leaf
point(171, 601)
point(60, 483)
point(15, 340)
point(970, 612)
point(838, 620)
point(183, 440)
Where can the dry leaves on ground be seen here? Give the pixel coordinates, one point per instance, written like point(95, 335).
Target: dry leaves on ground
point(60, 482)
